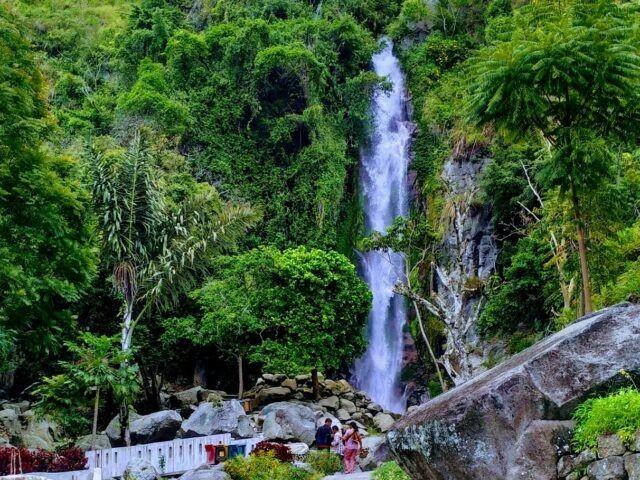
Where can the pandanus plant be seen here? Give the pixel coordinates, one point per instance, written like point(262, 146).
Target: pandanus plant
point(156, 249)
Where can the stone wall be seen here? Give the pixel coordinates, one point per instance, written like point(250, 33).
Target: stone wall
point(613, 460)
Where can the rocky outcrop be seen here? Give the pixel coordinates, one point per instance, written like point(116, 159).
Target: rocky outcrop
point(467, 260)
point(9, 425)
point(206, 472)
point(210, 419)
point(87, 442)
point(289, 422)
point(19, 425)
point(339, 400)
point(140, 469)
point(155, 427)
point(479, 430)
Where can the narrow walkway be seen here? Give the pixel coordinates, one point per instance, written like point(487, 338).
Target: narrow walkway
point(353, 476)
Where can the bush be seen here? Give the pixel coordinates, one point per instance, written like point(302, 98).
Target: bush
point(616, 413)
point(324, 462)
point(41, 460)
point(278, 450)
point(390, 471)
point(265, 467)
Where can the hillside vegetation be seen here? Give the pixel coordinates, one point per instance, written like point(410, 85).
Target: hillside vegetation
point(179, 183)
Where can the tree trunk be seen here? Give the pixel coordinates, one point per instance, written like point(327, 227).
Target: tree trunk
point(127, 325)
point(315, 383)
point(127, 322)
point(94, 430)
point(240, 378)
point(426, 340)
point(582, 251)
point(124, 425)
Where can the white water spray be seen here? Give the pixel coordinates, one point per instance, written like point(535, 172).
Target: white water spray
point(384, 186)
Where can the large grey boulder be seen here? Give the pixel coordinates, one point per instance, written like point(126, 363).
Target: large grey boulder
point(289, 422)
point(10, 423)
point(210, 419)
point(185, 398)
point(632, 466)
point(383, 421)
point(272, 394)
point(610, 445)
point(87, 442)
point(206, 472)
point(245, 429)
point(155, 427)
point(378, 452)
point(332, 402)
point(479, 429)
point(610, 468)
point(41, 432)
point(113, 429)
point(140, 469)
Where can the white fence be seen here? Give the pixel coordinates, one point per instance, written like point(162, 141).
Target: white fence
point(172, 457)
point(94, 474)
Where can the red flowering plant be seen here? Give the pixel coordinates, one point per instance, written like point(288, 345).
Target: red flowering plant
point(278, 450)
point(21, 460)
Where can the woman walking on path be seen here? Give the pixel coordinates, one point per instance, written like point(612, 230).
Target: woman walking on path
point(352, 445)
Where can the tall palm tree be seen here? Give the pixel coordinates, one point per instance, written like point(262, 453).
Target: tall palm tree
point(156, 252)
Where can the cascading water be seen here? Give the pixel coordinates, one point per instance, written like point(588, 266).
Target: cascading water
point(384, 187)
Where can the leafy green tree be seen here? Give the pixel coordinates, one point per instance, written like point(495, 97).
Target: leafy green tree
point(46, 255)
point(157, 250)
point(568, 71)
point(290, 311)
point(230, 304)
point(527, 295)
point(316, 306)
point(99, 366)
point(150, 97)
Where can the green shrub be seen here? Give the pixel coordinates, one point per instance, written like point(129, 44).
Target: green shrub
point(265, 467)
point(390, 471)
point(324, 462)
point(616, 413)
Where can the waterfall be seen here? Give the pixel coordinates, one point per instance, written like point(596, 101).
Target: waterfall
point(384, 187)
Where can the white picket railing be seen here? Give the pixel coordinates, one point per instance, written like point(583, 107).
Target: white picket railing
point(172, 457)
point(169, 458)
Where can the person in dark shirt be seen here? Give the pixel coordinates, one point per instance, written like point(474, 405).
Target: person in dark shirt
point(324, 435)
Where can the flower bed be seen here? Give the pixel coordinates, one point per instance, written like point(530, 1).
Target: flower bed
point(22, 460)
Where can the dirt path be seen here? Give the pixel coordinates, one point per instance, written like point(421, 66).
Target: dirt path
point(353, 476)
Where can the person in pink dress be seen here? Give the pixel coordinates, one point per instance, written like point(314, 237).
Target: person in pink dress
point(352, 445)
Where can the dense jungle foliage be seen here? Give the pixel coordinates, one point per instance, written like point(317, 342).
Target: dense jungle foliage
point(179, 180)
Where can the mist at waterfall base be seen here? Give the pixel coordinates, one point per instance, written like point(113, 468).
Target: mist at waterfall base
point(383, 181)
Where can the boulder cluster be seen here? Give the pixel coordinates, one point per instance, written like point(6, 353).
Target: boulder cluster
point(613, 460)
point(195, 420)
point(20, 425)
point(338, 399)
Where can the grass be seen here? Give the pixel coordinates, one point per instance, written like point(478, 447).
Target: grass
point(617, 413)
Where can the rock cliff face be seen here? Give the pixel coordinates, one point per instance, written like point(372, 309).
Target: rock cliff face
point(468, 258)
point(508, 422)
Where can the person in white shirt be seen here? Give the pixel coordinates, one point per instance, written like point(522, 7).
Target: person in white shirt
point(336, 442)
